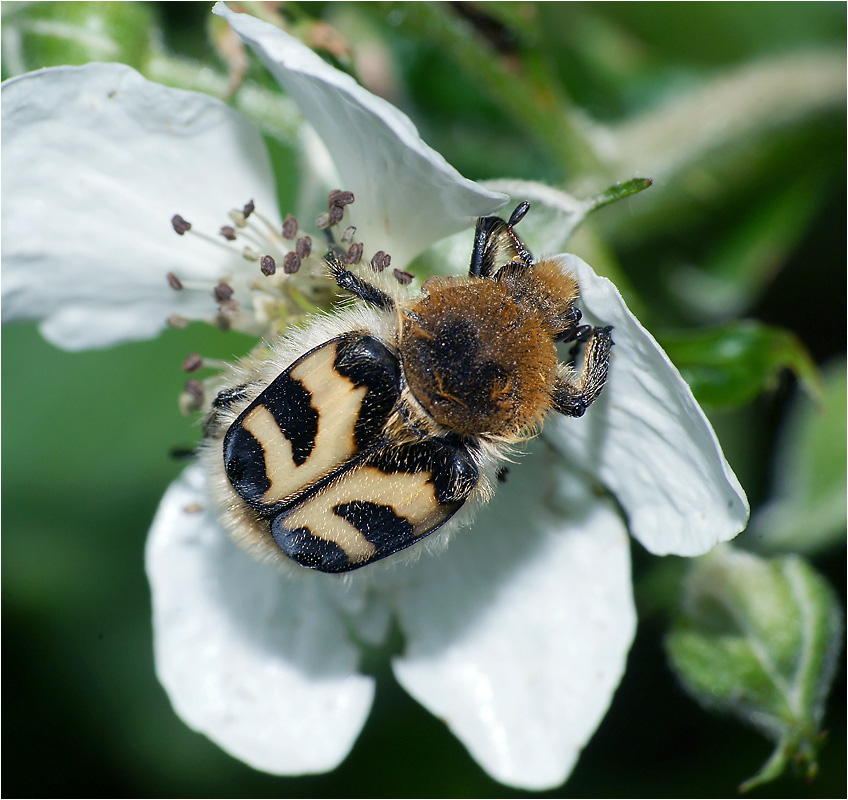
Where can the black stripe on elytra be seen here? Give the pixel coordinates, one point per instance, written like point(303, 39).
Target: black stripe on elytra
point(308, 550)
point(244, 457)
point(244, 461)
point(452, 471)
point(379, 524)
point(366, 361)
point(290, 403)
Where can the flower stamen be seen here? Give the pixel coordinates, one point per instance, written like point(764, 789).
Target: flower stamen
point(289, 227)
point(268, 265)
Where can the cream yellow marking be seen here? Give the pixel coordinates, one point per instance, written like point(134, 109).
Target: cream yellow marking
point(337, 401)
point(408, 494)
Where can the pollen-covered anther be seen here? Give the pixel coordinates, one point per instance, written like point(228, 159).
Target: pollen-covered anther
point(335, 214)
point(181, 226)
point(291, 263)
point(402, 276)
point(303, 248)
point(340, 198)
point(380, 261)
point(223, 291)
point(349, 233)
point(228, 232)
point(192, 363)
point(174, 282)
point(289, 227)
point(267, 265)
point(354, 253)
point(248, 209)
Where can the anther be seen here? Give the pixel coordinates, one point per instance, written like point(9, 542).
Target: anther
point(249, 254)
point(322, 221)
point(291, 263)
point(174, 281)
point(340, 199)
point(380, 261)
point(267, 265)
point(228, 232)
point(248, 209)
point(354, 253)
point(403, 276)
point(193, 394)
point(289, 227)
point(335, 214)
point(192, 363)
point(223, 291)
point(177, 321)
point(303, 247)
point(238, 218)
point(180, 225)
point(347, 236)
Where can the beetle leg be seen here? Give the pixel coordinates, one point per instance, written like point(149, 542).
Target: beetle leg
point(574, 393)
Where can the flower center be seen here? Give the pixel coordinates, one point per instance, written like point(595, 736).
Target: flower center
point(288, 278)
point(278, 275)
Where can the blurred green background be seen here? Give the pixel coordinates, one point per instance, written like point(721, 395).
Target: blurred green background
point(87, 437)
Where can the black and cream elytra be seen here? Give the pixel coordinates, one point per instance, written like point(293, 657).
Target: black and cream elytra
point(371, 428)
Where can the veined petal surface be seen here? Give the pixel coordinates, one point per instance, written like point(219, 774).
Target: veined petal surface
point(259, 662)
point(518, 636)
point(96, 161)
point(407, 195)
point(647, 439)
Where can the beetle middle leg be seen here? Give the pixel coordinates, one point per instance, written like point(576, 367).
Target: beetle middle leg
point(575, 392)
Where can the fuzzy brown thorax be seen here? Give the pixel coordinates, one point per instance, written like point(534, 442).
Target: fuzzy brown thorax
point(479, 360)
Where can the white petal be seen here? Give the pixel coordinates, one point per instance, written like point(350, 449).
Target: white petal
point(407, 195)
point(648, 440)
point(96, 161)
point(259, 662)
point(517, 637)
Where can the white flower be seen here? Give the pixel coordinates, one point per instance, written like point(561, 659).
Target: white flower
point(518, 634)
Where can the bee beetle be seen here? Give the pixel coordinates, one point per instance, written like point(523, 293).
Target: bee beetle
point(372, 428)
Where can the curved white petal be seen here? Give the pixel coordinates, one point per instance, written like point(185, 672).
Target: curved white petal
point(407, 195)
point(518, 636)
point(96, 161)
point(647, 439)
point(259, 662)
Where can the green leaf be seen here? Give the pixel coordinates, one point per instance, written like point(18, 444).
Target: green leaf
point(618, 192)
point(37, 35)
point(759, 639)
point(807, 511)
point(731, 364)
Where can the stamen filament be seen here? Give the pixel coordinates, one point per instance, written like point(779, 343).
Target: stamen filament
point(273, 233)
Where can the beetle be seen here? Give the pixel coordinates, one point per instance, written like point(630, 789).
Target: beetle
point(372, 428)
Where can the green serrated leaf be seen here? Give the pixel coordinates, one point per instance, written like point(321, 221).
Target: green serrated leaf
point(759, 639)
point(731, 364)
point(37, 35)
point(807, 511)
